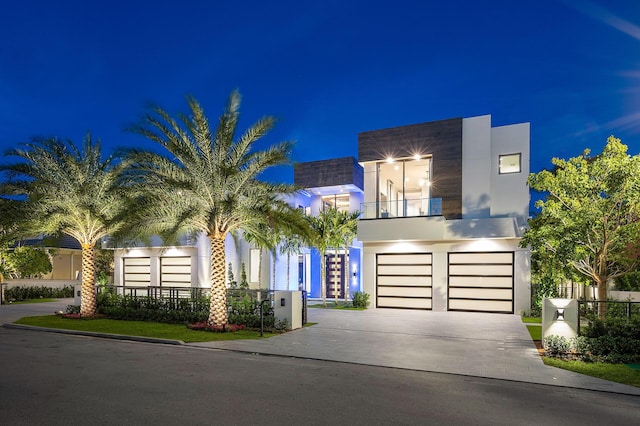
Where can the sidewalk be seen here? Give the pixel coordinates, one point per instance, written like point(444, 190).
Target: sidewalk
point(442, 342)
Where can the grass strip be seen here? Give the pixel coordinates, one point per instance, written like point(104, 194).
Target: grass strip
point(333, 305)
point(533, 320)
point(138, 328)
point(619, 373)
point(535, 332)
point(29, 301)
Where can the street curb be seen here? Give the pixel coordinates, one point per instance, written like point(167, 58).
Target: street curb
point(93, 334)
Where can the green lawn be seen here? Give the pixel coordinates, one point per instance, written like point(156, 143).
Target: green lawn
point(535, 331)
point(619, 373)
point(333, 305)
point(138, 328)
point(25, 302)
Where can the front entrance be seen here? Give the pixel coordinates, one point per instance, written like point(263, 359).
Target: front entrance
point(335, 279)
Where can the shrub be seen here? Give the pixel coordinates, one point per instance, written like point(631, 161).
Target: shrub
point(556, 346)
point(17, 294)
point(167, 310)
point(628, 282)
point(246, 311)
point(360, 300)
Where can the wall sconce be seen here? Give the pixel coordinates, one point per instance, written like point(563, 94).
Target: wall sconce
point(559, 314)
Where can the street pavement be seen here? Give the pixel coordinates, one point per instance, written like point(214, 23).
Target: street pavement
point(492, 346)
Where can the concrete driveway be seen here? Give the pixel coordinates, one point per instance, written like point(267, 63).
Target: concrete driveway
point(472, 344)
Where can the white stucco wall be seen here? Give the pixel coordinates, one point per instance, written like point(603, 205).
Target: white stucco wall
point(509, 192)
point(476, 170)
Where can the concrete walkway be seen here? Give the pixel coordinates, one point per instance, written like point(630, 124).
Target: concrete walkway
point(471, 344)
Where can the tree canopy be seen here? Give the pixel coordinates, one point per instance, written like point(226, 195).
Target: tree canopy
point(589, 219)
point(206, 179)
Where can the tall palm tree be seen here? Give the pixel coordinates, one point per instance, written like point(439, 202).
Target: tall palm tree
point(291, 244)
point(206, 180)
point(348, 229)
point(324, 237)
point(69, 190)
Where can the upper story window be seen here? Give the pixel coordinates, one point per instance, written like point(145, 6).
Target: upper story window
point(404, 187)
point(339, 201)
point(509, 163)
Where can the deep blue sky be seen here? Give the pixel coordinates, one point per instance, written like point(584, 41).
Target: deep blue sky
point(327, 69)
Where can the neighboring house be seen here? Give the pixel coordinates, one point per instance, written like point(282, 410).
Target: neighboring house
point(335, 183)
point(65, 254)
point(446, 204)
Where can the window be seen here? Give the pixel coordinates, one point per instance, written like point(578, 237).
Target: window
point(509, 163)
point(339, 201)
point(404, 187)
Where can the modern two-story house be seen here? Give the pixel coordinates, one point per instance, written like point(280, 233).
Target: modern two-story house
point(445, 207)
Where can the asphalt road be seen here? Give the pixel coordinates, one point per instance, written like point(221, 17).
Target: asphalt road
point(55, 379)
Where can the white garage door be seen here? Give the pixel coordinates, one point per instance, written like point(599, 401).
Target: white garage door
point(481, 282)
point(403, 280)
point(137, 271)
point(175, 271)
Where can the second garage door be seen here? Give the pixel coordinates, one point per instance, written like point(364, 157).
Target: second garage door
point(481, 282)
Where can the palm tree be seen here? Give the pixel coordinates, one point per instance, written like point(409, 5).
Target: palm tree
point(206, 180)
point(348, 230)
point(72, 191)
point(291, 244)
point(324, 237)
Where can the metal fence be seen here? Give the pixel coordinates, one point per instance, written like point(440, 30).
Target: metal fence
point(177, 295)
point(589, 309)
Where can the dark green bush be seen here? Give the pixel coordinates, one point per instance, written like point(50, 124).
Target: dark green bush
point(175, 311)
point(628, 282)
point(17, 294)
point(360, 300)
point(246, 311)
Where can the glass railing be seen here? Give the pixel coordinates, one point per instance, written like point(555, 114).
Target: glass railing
point(402, 208)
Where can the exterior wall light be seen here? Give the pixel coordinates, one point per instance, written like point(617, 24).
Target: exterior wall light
point(559, 314)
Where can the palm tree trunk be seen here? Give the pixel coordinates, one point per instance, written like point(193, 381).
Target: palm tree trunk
point(323, 278)
point(289, 271)
point(218, 301)
point(336, 258)
point(273, 278)
point(88, 291)
point(347, 265)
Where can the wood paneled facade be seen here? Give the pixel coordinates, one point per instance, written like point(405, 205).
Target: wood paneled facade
point(440, 139)
point(333, 172)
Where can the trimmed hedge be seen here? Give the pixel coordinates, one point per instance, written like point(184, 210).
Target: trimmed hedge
point(18, 294)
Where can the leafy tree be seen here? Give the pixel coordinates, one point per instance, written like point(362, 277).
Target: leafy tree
point(207, 180)
point(233, 284)
point(589, 218)
point(71, 190)
point(29, 261)
point(244, 284)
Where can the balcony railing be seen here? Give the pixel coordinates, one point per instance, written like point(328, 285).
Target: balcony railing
point(402, 208)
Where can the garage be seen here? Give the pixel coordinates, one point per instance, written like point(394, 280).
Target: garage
point(175, 271)
point(137, 271)
point(481, 282)
point(404, 280)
